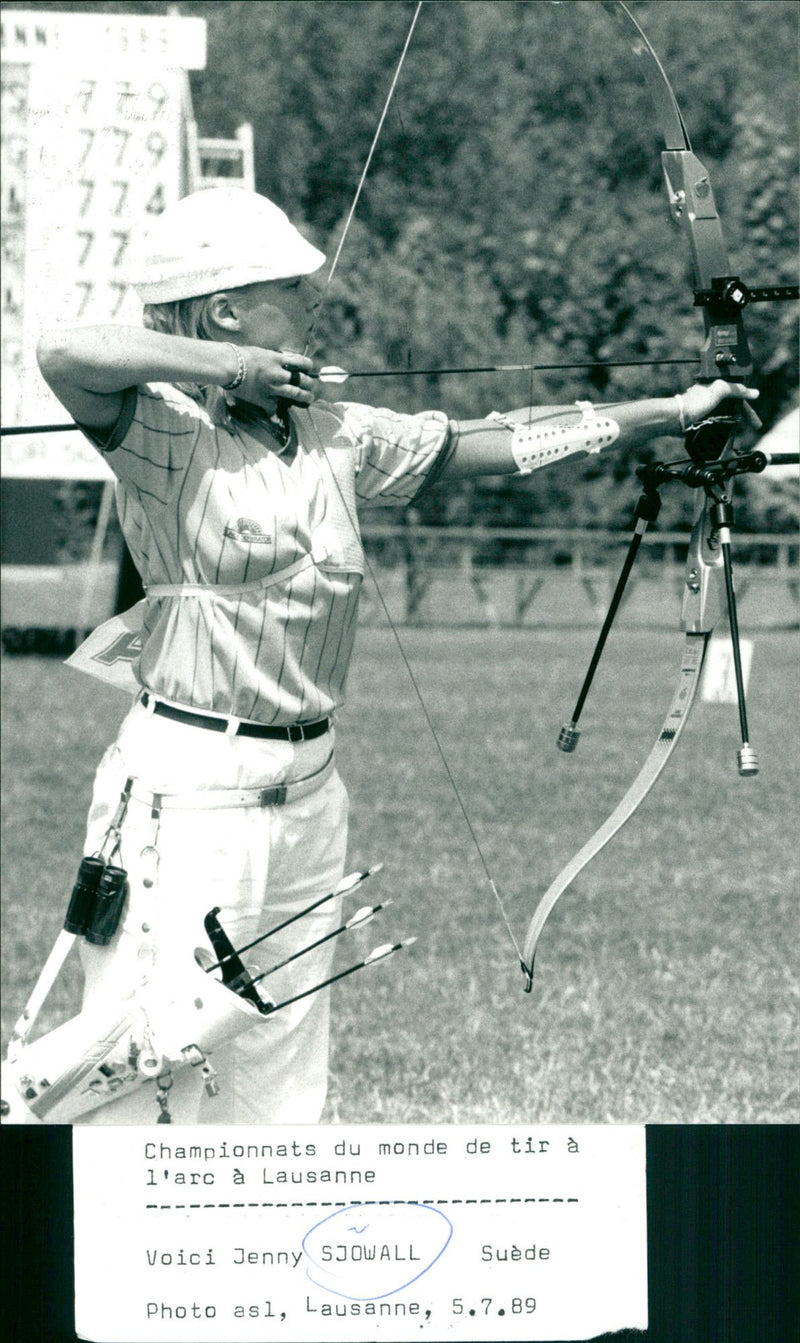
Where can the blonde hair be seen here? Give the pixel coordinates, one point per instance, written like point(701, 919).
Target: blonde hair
point(188, 317)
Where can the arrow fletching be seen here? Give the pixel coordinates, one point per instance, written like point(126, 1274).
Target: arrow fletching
point(346, 885)
point(354, 879)
point(379, 954)
point(364, 914)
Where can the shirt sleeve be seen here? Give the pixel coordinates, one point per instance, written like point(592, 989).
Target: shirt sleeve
point(153, 439)
point(396, 455)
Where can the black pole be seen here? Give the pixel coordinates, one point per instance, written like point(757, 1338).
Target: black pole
point(647, 510)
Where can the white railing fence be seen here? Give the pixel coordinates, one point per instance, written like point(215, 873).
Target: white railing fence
point(526, 576)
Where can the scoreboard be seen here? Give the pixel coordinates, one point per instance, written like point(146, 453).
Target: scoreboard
point(94, 135)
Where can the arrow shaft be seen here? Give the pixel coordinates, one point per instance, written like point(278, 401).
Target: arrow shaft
point(312, 946)
point(343, 888)
point(334, 979)
point(497, 368)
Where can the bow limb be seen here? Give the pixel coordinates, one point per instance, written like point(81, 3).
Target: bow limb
point(688, 680)
point(725, 353)
point(701, 610)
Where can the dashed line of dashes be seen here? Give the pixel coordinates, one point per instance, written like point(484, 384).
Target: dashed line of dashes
point(363, 1203)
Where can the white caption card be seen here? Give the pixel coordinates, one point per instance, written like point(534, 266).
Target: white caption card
point(193, 1235)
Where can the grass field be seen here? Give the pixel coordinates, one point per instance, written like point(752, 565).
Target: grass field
point(666, 986)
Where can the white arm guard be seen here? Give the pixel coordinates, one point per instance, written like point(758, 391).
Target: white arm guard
point(535, 445)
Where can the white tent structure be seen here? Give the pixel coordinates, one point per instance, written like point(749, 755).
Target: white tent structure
point(783, 437)
point(778, 488)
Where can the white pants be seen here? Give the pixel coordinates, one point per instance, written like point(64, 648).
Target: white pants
point(260, 865)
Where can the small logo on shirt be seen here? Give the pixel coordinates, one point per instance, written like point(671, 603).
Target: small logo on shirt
point(245, 529)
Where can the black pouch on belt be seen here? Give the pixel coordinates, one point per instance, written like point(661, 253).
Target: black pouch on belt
point(84, 893)
point(106, 911)
point(97, 901)
point(98, 896)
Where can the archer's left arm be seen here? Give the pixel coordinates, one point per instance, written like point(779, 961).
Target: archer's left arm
point(484, 447)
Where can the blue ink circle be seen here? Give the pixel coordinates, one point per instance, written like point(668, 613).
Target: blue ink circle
point(377, 1241)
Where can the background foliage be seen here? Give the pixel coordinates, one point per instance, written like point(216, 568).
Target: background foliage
point(514, 209)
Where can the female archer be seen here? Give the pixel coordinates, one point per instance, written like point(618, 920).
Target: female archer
point(238, 494)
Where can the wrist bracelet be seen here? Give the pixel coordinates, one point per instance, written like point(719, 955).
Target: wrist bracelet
point(681, 412)
point(241, 369)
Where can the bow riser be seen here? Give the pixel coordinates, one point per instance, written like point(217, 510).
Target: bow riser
point(725, 352)
point(702, 603)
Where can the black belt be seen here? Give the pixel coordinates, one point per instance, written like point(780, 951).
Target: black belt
point(294, 732)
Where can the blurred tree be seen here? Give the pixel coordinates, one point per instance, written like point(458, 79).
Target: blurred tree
point(514, 209)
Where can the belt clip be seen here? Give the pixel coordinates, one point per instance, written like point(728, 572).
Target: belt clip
point(273, 797)
point(296, 732)
point(233, 726)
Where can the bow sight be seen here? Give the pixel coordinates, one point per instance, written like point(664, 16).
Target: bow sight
point(729, 289)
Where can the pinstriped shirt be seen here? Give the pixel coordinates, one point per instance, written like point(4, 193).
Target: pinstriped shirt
point(209, 505)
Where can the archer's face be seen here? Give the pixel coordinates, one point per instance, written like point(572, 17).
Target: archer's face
point(277, 314)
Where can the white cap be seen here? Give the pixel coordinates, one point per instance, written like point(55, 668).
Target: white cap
point(218, 238)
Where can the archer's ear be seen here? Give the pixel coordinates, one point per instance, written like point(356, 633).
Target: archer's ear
point(223, 311)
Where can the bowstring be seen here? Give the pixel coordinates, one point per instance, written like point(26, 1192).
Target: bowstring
point(362, 179)
point(420, 697)
point(353, 523)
